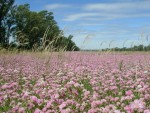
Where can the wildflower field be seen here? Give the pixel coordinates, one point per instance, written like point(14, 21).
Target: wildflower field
point(75, 82)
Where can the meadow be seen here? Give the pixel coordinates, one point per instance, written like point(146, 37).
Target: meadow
point(75, 82)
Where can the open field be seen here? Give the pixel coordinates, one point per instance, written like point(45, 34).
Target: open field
point(75, 82)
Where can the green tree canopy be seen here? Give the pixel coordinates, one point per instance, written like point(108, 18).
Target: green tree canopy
point(5, 21)
point(30, 29)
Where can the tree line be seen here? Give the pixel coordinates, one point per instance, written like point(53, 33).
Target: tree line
point(134, 48)
point(30, 29)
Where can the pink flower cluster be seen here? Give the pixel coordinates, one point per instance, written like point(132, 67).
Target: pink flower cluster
point(75, 82)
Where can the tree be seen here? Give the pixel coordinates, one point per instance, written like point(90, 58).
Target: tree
point(5, 21)
point(32, 25)
point(68, 44)
point(32, 30)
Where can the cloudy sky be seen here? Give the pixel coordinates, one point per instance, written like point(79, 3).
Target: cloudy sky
point(97, 24)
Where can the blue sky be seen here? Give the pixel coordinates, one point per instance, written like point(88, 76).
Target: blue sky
point(97, 24)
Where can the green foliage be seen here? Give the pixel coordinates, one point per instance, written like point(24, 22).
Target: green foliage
point(134, 48)
point(6, 106)
point(87, 85)
point(6, 21)
point(33, 30)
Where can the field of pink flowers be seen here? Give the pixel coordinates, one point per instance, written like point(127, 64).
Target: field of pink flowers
point(75, 82)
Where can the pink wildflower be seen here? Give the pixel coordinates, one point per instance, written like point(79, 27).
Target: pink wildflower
point(129, 92)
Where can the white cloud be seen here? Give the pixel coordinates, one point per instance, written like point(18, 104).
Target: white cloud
point(102, 16)
point(120, 10)
point(90, 24)
point(56, 6)
point(77, 16)
point(118, 7)
point(107, 11)
point(93, 18)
